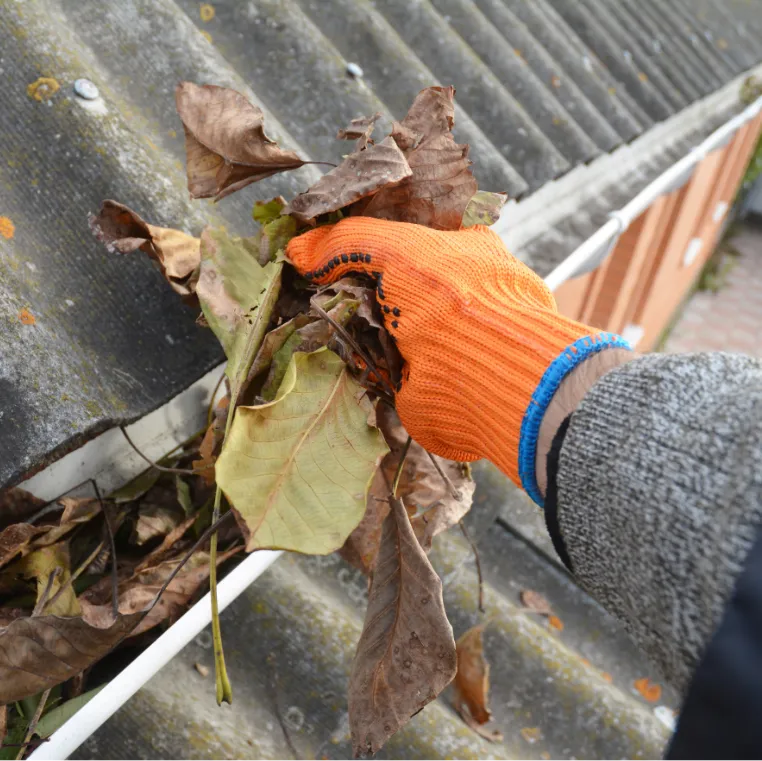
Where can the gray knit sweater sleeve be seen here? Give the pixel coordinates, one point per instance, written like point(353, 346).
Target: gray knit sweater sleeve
point(659, 496)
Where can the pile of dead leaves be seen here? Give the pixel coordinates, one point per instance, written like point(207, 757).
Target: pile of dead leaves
point(305, 447)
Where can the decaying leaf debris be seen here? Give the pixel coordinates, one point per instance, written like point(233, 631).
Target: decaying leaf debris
point(304, 443)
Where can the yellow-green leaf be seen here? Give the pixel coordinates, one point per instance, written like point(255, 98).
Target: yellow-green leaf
point(237, 295)
point(40, 565)
point(297, 469)
point(267, 211)
point(484, 208)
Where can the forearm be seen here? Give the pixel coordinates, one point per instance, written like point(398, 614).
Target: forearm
point(657, 495)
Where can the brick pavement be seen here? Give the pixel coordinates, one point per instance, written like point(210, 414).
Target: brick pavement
point(731, 319)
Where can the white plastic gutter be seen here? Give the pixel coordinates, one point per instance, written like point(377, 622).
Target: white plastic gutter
point(75, 468)
point(602, 242)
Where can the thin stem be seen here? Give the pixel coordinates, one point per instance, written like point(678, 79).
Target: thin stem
point(82, 568)
point(42, 602)
point(400, 465)
point(162, 468)
point(351, 341)
point(322, 163)
point(210, 410)
point(450, 485)
point(33, 723)
point(112, 542)
point(478, 564)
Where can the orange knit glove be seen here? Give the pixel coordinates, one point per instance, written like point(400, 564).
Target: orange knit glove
point(484, 345)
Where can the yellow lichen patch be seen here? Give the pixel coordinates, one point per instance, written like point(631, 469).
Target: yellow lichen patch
point(642, 76)
point(43, 89)
point(206, 11)
point(7, 228)
point(531, 734)
point(722, 43)
point(650, 691)
point(207, 36)
point(26, 317)
point(612, 90)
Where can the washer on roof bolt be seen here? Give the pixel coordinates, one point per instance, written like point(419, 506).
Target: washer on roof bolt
point(354, 70)
point(86, 89)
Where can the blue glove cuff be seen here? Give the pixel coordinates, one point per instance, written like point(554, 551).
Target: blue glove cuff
point(564, 363)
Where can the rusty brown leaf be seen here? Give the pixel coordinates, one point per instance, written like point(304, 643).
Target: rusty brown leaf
point(360, 174)
point(155, 521)
point(535, 602)
point(406, 653)
point(15, 539)
point(471, 685)
point(225, 143)
point(125, 231)
point(360, 130)
point(139, 592)
point(437, 193)
point(43, 651)
point(17, 505)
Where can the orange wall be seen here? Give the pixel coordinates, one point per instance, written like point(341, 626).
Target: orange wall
point(658, 258)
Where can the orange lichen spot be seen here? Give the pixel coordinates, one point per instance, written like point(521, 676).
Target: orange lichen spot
point(206, 36)
point(606, 677)
point(7, 228)
point(642, 76)
point(206, 11)
point(722, 43)
point(554, 622)
point(26, 317)
point(518, 53)
point(555, 81)
point(545, 755)
point(531, 734)
point(612, 90)
point(585, 662)
point(43, 89)
point(650, 691)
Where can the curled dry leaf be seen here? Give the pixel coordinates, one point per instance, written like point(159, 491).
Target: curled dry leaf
point(406, 653)
point(41, 652)
point(360, 174)
point(441, 185)
point(125, 231)
point(155, 521)
point(472, 683)
point(361, 130)
point(17, 505)
point(535, 602)
point(225, 143)
point(15, 539)
point(281, 462)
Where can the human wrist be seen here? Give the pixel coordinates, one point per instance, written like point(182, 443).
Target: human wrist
point(570, 393)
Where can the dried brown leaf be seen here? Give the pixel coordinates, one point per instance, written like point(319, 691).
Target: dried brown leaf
point(360, 174)
point(432, 114)
point(15, 539)
point(406, 654)
point(125, 231)
point(139, 592)
point(437, 193)
point(169, 541)
point(17, 505)
point(225, 143)
point(471, 685)
point(535, 602)
point(361, 130)
point(155, 521)
point(41, 652)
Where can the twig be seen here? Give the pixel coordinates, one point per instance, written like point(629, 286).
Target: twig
point(450, 485)
point(322, 163)
point(478, 564)
point(82, 568)
point(112, 542)
point(162, 468)
point(30, 744)
point(42, 602)
point(400, 465)
point(351, 341)
point(33, 723)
